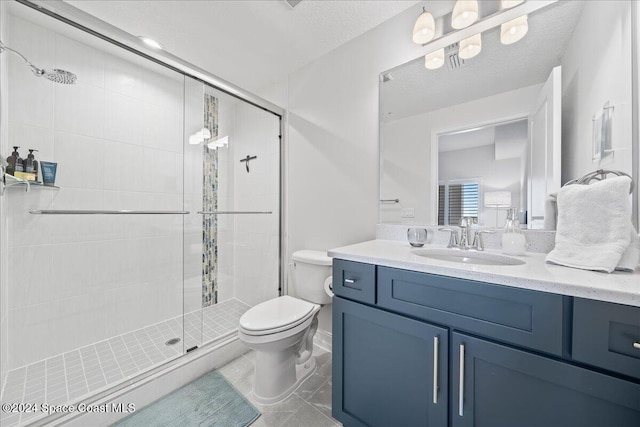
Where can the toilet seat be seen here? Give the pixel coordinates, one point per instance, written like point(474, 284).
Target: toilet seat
point(276, 315)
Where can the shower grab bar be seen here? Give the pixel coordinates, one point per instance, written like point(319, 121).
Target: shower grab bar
point(233, 212)
point(101, 212)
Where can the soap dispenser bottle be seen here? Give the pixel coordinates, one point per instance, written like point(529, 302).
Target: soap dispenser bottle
point(31, 164)
point(14, 162)
point(513, 240)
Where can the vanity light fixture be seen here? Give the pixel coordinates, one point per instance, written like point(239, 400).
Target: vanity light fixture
point(516, 29)
point(151, 43)
point(470, 46)
point(465, 13)
point(434, 60)
point(425, 28)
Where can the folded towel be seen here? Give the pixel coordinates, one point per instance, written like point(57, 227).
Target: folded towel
point(550, 211)
point(630, 257)
point(593, 225)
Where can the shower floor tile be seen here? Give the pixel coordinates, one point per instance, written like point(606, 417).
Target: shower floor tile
point(77, 374)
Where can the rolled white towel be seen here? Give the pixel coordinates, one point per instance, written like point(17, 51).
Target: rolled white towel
point(630, 257)
point(593, 225)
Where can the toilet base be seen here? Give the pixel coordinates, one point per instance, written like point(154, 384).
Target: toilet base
point(303, 371)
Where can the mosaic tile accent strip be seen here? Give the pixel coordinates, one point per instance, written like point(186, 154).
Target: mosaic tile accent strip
point(76, 375)
point(210, 203)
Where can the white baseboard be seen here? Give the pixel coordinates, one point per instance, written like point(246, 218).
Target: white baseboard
point(178, 373)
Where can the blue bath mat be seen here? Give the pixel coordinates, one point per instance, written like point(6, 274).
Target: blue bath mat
point(209, 401)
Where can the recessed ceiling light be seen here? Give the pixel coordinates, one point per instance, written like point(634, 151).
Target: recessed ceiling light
point(151, 42)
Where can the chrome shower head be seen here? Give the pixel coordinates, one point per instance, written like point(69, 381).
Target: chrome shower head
point(57, 76)
point(60, 76)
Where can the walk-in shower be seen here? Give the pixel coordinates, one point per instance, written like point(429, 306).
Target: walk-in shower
point(149, 247)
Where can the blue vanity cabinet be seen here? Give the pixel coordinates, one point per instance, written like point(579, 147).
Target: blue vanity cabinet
point(391, 370)
point(418, 349)
point(494, 385)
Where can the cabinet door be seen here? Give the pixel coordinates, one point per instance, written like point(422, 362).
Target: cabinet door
point(494, 385)
point(383, 368)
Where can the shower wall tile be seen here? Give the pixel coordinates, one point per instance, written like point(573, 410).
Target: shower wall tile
point(79, 161)
point(86, 62)
point(123, 116)
point(40, 138)
point(79, 109)
point(30, 270)
point(30, 99)
point(123, 77)
point(162, 128)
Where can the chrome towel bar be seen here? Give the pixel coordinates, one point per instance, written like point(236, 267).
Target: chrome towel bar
point(233, 212)
point(103, 212)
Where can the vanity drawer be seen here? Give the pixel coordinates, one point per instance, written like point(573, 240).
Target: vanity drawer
point(607, 335)
point(523, 317)
point(354, 280)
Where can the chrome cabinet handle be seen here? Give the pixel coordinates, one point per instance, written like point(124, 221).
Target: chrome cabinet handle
point(636, 345)
point(350, 281)
point(461, 385)
point(435, 369)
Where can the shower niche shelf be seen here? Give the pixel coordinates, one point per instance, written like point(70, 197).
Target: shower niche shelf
point(9, 181)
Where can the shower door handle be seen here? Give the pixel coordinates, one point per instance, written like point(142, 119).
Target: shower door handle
point(233, 212)
point(435, 369)
point(103, 212)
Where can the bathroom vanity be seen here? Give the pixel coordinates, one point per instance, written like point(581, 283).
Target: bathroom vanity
point(420, 342)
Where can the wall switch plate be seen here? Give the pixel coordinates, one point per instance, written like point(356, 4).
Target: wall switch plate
point(407, 213)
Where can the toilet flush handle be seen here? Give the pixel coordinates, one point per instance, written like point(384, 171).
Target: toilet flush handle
point(328, 286)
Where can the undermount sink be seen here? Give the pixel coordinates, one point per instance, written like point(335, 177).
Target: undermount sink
point(468, 257)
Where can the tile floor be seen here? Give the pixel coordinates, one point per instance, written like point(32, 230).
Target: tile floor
point(308, 406)
point(77, 374)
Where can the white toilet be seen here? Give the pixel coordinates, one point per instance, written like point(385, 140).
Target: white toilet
point(281, 330)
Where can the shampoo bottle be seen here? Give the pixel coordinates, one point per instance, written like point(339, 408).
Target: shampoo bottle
point(31, 164)
point(513, 240)
point(12, 162)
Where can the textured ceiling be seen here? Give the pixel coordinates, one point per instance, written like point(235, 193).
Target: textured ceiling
point(498, 68)
point(249, 43)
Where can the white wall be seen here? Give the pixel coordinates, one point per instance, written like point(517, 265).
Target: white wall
point(407, 148)
point(332, 139)
point(596, 68)
point(117, 138)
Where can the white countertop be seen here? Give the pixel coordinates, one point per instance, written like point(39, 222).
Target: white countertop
point(535, 274)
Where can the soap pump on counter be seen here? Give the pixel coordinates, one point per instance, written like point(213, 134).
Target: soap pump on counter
point(513, 240)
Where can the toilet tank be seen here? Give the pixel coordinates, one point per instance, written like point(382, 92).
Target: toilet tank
point(310, 271)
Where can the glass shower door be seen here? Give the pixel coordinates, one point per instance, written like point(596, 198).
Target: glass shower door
point(232, 189)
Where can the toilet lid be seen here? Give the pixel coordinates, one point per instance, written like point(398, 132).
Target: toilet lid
point(276, 313)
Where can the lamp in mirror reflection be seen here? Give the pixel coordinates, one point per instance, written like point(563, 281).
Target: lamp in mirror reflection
point(425, 28)
point(465, 13)
point(434, 60)
point(199, 137)
point(514, 30)
point(470, 46)
point(218, 143)
point(497, 200)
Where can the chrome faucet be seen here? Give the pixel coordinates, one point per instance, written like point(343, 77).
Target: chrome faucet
point(465, 242)
point(465, 232)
